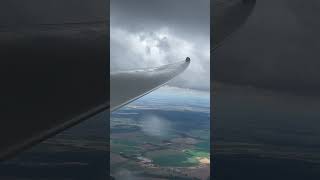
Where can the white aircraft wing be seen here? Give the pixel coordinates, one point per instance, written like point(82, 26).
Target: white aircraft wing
point(126, 86)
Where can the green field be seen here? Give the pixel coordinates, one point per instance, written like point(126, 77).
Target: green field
point(172, 158)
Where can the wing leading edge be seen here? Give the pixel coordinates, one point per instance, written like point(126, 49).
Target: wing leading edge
point(126, 86)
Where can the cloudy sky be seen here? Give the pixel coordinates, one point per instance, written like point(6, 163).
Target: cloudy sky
point(150, 33)
point(278, 48)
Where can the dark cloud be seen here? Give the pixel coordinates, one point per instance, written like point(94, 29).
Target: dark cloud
point(148, 33)
point(185, 15)
point(278, 48)
point(22, 13)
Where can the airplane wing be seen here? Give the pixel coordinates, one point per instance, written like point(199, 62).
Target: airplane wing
point(54, 60)
point(53, 65)
point(127, 86)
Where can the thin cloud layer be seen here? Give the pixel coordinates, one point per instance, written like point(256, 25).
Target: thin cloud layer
point(155, 126)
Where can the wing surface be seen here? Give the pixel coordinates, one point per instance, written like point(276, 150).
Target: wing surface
point(54, 56)
point(127, 86)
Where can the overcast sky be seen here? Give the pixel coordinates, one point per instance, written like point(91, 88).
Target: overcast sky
point(149, 33)
point(278, 48)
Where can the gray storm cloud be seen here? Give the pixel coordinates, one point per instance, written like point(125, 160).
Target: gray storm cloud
point(278, 48)
point(153, 33)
